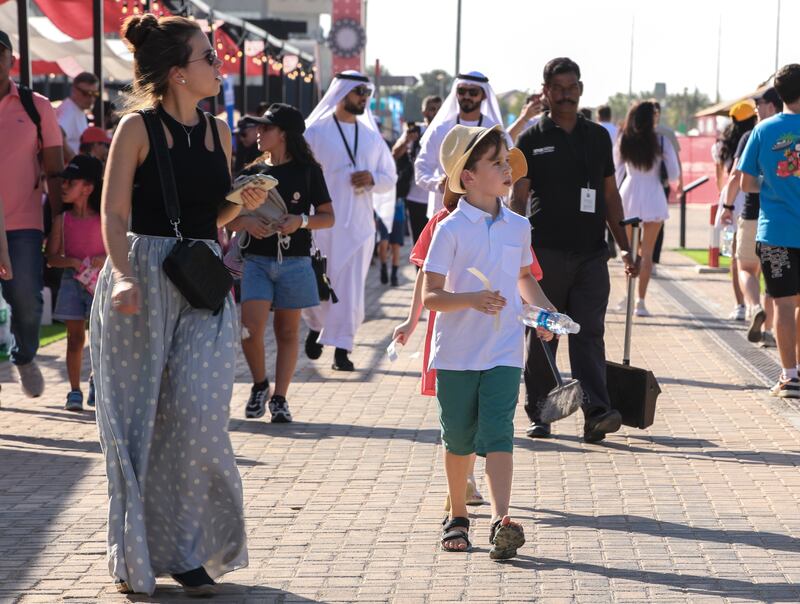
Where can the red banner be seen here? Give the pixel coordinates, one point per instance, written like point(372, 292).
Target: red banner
point(346, 11)
point(74, 17)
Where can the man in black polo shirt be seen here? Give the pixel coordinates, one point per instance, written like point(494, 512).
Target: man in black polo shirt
point(571, 177)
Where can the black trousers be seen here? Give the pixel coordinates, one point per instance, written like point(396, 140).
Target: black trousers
point(577, 284)
point(417, 216)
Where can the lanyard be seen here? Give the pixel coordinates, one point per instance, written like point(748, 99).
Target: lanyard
point(480, 120)
point(351, 153)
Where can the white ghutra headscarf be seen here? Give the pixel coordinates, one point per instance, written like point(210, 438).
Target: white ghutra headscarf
point(450, 109)
point(342, 84)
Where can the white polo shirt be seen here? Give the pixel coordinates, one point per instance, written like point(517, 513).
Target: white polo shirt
point(73, 122)
point(467, 339)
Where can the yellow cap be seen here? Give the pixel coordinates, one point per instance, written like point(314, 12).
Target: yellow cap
point(743, 110)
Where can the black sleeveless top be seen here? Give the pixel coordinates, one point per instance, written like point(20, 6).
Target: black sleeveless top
point(201, 177)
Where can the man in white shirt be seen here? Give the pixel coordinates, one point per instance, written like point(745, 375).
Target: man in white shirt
point(71, 113)
point(604, 119)
point(471, 102)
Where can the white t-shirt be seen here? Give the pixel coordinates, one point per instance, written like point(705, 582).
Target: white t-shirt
point(73, 122)
point(467, 339)
point(612, 130)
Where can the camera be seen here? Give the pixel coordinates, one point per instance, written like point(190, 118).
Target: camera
point(413, 128)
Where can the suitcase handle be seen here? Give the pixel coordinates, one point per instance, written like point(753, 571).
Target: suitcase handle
point(626, 353)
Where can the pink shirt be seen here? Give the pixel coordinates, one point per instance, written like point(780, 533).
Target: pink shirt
point(83, 237)
point(20, 171)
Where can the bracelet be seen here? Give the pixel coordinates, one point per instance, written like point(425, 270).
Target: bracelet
point(727, 207)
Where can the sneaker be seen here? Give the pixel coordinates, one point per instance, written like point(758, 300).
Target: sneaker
point(30, 379)
point(641, 309)
point(756, 323)
point(257, 403)
point(738, 313)
point(621, 306)
point(279, 409)
point(789, 388)
point(90, 396)
point(767, 340)
point(775, 389)
point(74, 401)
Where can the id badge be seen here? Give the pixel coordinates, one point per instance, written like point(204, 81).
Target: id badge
point(588, 200)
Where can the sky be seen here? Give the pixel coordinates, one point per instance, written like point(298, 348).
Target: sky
point(675, 41)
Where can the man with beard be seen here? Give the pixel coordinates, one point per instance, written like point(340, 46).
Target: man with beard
point(571, 177)
point(471, 102)
point(361, 177)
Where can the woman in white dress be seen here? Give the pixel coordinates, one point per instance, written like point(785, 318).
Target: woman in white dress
point(644, 160)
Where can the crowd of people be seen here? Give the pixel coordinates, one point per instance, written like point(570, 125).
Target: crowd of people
point(299, 208)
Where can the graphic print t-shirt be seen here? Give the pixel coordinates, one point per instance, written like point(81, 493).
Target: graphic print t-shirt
point(773, 152)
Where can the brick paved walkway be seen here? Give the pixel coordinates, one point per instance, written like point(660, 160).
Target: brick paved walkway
point(343, 505)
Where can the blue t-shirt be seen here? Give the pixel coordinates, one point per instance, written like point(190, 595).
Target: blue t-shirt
point(773, 152)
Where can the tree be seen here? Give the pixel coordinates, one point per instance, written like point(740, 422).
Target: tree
point(677, 109)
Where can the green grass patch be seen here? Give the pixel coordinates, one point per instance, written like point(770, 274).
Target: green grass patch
point(700, 256)
point(47, 335)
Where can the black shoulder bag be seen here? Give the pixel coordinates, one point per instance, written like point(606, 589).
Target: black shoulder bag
point(192, 266)
point(319, 262)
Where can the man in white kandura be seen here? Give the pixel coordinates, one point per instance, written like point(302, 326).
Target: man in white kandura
point(471, 102)
point(361, 177)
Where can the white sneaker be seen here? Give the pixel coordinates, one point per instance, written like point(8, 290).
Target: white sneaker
point(767, 340)
point(641, 309)
point(789, 388)
point(738, 313)
point(621, 306)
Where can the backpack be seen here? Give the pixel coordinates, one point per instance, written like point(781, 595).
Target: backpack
point(26, 97)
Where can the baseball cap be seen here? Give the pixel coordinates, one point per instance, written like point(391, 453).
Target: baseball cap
point(770, 95)
point(743, 110)
point(84, 167)
point(93, 134)
point(243, 124)
point(284, 116)
point(5, 40)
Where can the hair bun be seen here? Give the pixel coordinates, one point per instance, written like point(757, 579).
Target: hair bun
point(135, 29)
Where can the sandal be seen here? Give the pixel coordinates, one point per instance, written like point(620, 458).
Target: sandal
point(454, 529)
point(473, 497)
point(505, 540)
point(122, 586)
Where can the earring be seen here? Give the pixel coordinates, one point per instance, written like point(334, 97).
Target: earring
point(182, 80)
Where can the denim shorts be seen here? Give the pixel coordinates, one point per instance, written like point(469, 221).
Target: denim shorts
point(74, 302)
point(288, 285)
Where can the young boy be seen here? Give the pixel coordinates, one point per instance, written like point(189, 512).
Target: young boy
point(478, 339)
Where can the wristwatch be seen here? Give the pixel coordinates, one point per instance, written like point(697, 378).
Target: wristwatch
point(303, 221)
point(727, 207)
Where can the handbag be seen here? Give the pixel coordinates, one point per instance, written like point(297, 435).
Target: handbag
point(320, 265)
point(192, 266)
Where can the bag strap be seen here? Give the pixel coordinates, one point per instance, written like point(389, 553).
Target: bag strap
point(158, 144)
point(26, 98)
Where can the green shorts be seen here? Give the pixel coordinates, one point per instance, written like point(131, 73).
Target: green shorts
point(476, 409)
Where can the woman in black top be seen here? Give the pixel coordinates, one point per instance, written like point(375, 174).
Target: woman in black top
point(163, 369)
point(277, 265)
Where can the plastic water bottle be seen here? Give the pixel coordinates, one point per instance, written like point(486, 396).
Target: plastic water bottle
point(558, 323)
point(726, 244)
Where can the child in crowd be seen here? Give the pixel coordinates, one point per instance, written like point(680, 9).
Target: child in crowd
point(391, 241)
point(76, 245)
point(478, 339)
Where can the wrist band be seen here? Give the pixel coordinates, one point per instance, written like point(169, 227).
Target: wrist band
point(727, 207)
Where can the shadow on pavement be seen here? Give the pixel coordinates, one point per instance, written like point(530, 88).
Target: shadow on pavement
point(304, 430)
point(681, 583)
point(229, 593)
point(658, 528)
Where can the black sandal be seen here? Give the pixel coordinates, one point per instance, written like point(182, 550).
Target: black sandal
point(122, 586)
point(505, 540)
point(454, 529)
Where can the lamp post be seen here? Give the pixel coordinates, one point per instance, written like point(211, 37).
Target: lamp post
point(458, 40)
point(778, 36)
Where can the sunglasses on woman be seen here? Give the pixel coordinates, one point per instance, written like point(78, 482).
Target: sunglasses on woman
point(209, 57)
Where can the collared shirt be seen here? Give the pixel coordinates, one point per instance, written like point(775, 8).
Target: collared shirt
point(560, 164)
point(20, 169)
point(73, 122)
point(469, 237)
